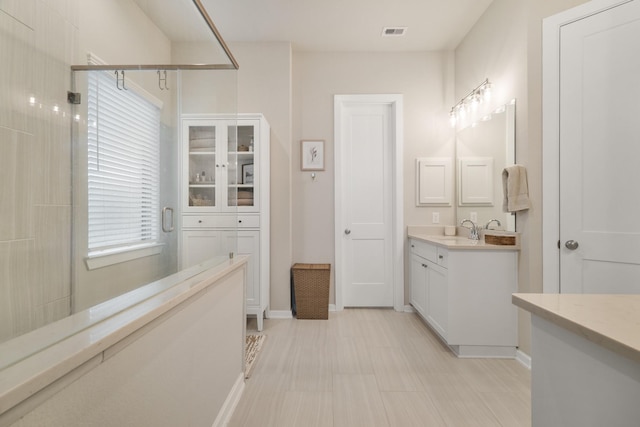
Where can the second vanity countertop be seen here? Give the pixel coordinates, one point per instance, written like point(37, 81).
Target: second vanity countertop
point(460, 242)
point(612, 321)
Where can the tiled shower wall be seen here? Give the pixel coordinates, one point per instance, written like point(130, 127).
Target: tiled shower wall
point(38, 40)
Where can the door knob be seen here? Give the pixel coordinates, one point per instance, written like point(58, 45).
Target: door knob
point(347, 231)
point(571, 245)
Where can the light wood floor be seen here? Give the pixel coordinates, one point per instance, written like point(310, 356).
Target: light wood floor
point(376, 367)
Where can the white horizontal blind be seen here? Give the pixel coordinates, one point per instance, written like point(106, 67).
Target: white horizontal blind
point(123, 165)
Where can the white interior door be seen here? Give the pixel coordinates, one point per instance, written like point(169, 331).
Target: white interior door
point(365, 249)
point(599, 152)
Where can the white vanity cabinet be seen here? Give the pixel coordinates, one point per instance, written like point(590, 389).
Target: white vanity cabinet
point(429, 283)
point(225, 193)
point(465, 296)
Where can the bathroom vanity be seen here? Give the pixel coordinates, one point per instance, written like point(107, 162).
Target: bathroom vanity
point(462, 288)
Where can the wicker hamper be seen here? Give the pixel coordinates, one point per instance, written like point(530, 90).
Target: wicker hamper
point(311, 289)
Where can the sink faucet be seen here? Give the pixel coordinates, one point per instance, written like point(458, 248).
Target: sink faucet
point(497, 221)
point(473, 230)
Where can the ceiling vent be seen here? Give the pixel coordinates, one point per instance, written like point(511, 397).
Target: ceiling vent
point(393, 31)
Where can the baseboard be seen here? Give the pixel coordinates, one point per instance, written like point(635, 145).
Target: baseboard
point(332, 307)
point(231, 402)
point(280, 314)
point(409, 309)
point(524, 359)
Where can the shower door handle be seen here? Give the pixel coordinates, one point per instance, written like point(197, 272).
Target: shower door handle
point(165, 228)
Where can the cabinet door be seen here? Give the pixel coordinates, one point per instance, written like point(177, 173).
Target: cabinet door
point(200, 245)
point(418, 284)
point(243, 175)
point(438, 298)
point(200, 165)
point(247, 242)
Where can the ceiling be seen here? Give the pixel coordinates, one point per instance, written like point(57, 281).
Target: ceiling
point(328, 25)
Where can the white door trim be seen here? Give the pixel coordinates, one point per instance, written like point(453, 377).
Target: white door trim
point(551, 134)
point(395, 101)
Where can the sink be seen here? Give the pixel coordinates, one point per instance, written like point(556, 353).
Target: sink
point(452, 239)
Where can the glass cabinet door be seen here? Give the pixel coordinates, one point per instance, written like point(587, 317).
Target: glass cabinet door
point(202, 166)
point(241, 153)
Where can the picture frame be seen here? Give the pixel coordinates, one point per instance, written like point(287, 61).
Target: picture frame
point(312, 155)
point(247, 173)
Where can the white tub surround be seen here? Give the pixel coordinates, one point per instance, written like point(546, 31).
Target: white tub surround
point(586, 359)
point(173, 358)
point(462, 288)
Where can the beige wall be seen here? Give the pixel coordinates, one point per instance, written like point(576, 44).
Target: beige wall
point(264, 86)
point(295, 93)
point(505, 46)
point(422, 79)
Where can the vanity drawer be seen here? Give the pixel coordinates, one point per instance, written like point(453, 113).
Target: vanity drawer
point(425, 250)
point(221, 221)
point(443, 256)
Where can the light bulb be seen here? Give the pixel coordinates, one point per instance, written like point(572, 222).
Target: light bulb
point(486, 92)
point(475, 101)
point(462, 111)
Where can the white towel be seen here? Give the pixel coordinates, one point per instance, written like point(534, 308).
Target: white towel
point(515, 188)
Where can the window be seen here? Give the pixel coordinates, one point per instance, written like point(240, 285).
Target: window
point(123, 166)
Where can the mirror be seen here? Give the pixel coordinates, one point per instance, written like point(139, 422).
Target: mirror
point(483, 150)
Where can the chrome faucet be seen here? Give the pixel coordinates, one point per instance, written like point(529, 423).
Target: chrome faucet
point(473, 231)
point(497, 221)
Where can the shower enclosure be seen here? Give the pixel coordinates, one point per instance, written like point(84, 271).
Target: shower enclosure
point(93, 92)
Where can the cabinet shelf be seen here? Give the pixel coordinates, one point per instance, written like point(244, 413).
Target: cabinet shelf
point(194, 185)
point(202, 153)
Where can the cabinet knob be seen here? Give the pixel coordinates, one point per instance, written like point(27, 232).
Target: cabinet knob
point(440, 256)
point(413, 246)
point(240, 221)
point(199, 221)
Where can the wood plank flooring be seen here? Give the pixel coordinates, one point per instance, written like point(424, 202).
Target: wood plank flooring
point(376, 367)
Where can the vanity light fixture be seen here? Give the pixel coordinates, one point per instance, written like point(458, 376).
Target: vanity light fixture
point(472, 100)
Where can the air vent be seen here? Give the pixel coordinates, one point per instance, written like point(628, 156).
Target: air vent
point(393, 31)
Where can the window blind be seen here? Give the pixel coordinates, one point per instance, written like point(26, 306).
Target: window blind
point(123, 165)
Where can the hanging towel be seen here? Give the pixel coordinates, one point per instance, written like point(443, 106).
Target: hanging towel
point(515, 188)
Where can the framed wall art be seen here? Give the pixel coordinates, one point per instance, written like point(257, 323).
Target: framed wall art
point(312, 158)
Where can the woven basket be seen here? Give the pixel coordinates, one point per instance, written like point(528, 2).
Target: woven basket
point(311, 288)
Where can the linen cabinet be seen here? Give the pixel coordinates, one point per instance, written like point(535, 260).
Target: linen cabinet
point(225, 196)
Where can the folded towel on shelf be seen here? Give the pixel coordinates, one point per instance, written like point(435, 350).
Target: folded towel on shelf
point(515, 188)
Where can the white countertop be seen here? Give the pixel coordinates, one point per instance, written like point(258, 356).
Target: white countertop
point(612, 321)
point(460, 242)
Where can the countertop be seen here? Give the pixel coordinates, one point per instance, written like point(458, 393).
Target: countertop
point(461, 242)
point(612, 321)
